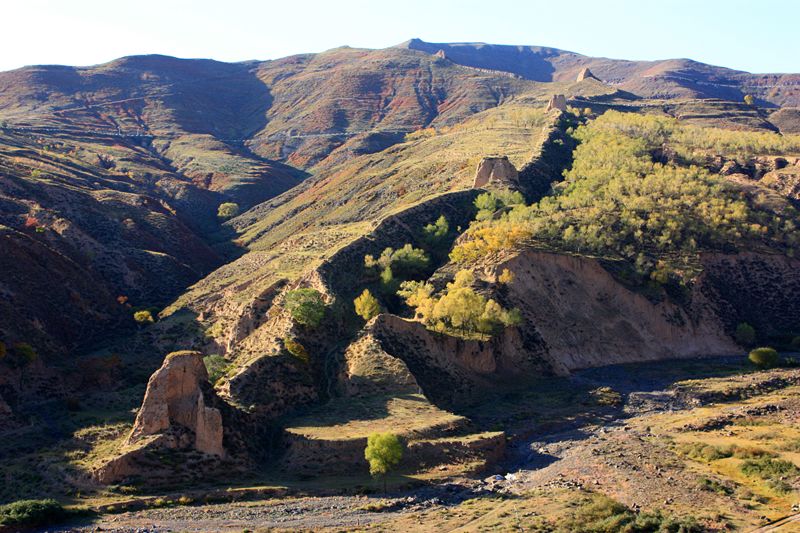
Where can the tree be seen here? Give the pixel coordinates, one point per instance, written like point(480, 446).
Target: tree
point(745, 334)
point(764, 357)
point(294, 347)
point(436, 234)
point(458, 307)
point(2, 350)
point(24, 353)
point(143, 317)
point(367, 306)
point(216, 366)
point(227, 210)
point(749, 100)
point(506, 277)
point(384, 451)
point(306, 306)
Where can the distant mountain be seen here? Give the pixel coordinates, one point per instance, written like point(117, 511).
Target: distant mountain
point(671, 78)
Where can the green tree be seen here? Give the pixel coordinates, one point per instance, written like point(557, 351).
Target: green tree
point(458, 307)
point(745, 334)
point(216, 366)
point(227, 210)
point(749, 100)
point(367, 306)
point(435, 235)
point(24, 353)
point(764, 357)
point(294, 347)
point(384, 452)
point(143, 317)
point(306, 306)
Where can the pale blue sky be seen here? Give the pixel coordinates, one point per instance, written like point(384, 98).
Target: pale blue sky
point(758, 36)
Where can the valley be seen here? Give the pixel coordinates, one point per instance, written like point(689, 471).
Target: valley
point(538, 273)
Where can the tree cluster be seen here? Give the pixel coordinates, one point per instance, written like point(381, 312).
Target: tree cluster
point(458, 308)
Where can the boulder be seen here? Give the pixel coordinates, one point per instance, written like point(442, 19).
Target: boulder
point(174, 401)
point(584, 74)
point(497, 169)
point(557, 101)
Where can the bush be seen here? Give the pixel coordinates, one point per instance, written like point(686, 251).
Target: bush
point(143, 317)
point(435, 235)
point(24, 353)
point(31, 513)
point(764, 357)
point(745, 334)
point(367, 305)
point(700, 451)
point(294, 347)
point(216, 366)
point(601, 514)
point(227, 210)
point(306, 306)
point(769, 469)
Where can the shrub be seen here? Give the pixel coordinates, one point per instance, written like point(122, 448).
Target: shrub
point(768, 468)
point(764, 357)
point(712, 485)
point(227, 210)
point(435, 235)
point(745, 334)
point(367, 305)
point(506, 277)
point(700, 451)
point(31, 513)
point(384, 452)
point(143, 317)
point(24, 353)
point(294, 347)
point(601, 514)
point(306, 306)
point(216, 366)
point(749, 99)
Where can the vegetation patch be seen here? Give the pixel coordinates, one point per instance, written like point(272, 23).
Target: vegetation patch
point(33, 513)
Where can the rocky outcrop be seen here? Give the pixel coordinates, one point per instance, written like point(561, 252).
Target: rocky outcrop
point(557, 101)
point(585, 73)
point(369, 370)
point(175, 401)
point(495, 170)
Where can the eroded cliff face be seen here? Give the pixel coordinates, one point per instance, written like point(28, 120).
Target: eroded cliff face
point(577, 315)
point(587, 318)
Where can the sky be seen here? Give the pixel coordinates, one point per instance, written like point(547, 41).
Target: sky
point(757, 36)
